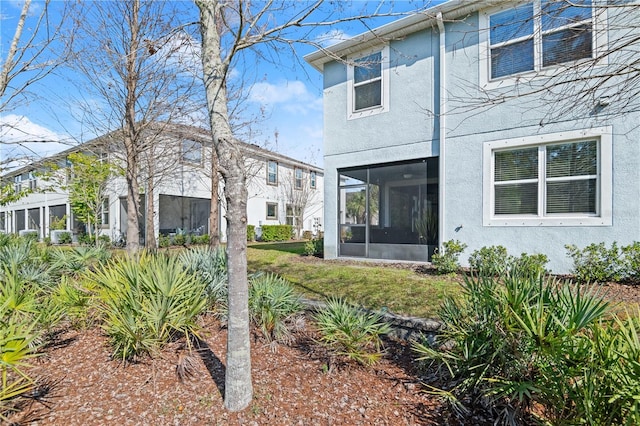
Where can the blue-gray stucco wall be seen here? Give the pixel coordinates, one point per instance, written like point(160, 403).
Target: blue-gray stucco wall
point(410, 130)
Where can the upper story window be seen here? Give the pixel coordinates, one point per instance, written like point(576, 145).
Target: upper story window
point(313, 179)
point(191, 151)
point(368, 78)
point(298, 178)
point(555, 180)
point(537, 35)
point(272, 172)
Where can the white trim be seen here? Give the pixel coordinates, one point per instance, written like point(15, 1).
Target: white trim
point(605, 180)
point(599, 45)
point(384, 107)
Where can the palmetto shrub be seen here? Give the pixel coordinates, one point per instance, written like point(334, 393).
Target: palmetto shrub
point(510, 344)
point(351, 332)
point(210, 265)
point(272, 304)
point(145, 302)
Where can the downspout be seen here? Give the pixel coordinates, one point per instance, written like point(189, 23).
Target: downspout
point(441, 130)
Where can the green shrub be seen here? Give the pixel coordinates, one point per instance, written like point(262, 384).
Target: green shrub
point(307, 235)
point(446, 261)
point(596, 263)
point(251, 233)
point(351, 332)
point(514, 343)
point(271, 233)
point(201, 239)
point(490, 261)
point(210, 266)
point(529, 265)
point(631, 262)
point(272, 303)
point(65, 238)
point(164, 241)
point(314, 247)
point(180, 240)
point(145, 302)
point(58, 224)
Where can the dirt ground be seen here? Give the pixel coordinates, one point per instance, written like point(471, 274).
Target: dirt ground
point(293, 385)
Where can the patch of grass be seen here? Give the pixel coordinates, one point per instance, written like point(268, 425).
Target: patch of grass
point(401, 291)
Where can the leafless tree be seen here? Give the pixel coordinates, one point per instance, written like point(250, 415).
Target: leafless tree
point(138, 59)
point(34, 51)
point(231, 29)
point(299, 197)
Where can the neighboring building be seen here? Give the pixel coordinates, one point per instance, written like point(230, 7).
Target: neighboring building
point(472, 122)
point(180, 161)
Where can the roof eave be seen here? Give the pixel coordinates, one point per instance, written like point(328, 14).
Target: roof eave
point(450, 10)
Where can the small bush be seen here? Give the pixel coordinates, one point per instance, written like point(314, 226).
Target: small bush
point(164, 241)
point(446, 261)
point(271, 233)
point(490, 261)
point(65, 238)
point(314, 247)
point(145, 302)
point(272, 303)
point(210, 266)
point(596, 263)
point(251, 233)
point(631, 262)
point(307, 235)
point(351, 332)
point(180, 240)
point(530, 265)
point(510, 344)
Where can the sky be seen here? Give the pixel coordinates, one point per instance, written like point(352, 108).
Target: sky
point(288, 98)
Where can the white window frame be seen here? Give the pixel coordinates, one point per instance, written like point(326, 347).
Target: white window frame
point(275, 163)
point(275, 206)
point(298, 178)
point(604, 197)
point(599, 45)
point(186, 152)
point(384, 77)
point(313, 179)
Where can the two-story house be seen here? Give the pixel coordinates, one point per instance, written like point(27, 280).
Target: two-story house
point(507, 123)
point(175, 179)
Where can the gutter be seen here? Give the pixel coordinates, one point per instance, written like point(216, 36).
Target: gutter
point(442, 131)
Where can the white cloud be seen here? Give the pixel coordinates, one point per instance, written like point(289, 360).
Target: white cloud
point(332, 37)
point(291, 96)
point(20, 138)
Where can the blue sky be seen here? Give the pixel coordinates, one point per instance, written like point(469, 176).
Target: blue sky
point(289, 97)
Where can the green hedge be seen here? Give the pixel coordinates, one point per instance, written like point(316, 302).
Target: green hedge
point(251, 232)
point(276, 232)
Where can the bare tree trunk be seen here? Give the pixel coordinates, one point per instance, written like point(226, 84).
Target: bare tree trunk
point(238, 386)
point(130, 137)
point(150, 228)
point(214, 214)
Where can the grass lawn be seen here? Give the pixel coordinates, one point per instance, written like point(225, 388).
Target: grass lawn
point(400, 290)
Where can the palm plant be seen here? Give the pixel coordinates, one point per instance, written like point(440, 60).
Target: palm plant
point(145, 302)
point(211, 267)
point(351, 332)
point(512, 343)
point(272, 303)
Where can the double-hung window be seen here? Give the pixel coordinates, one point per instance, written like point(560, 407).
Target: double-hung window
point(368, 77)
point(559, 179)
point(298, 178)
point(191, 151)
point(312, 179)
point(535, 35)
point(272, 172)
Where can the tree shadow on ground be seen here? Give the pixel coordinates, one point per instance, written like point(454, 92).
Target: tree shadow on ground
point(214, 365)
